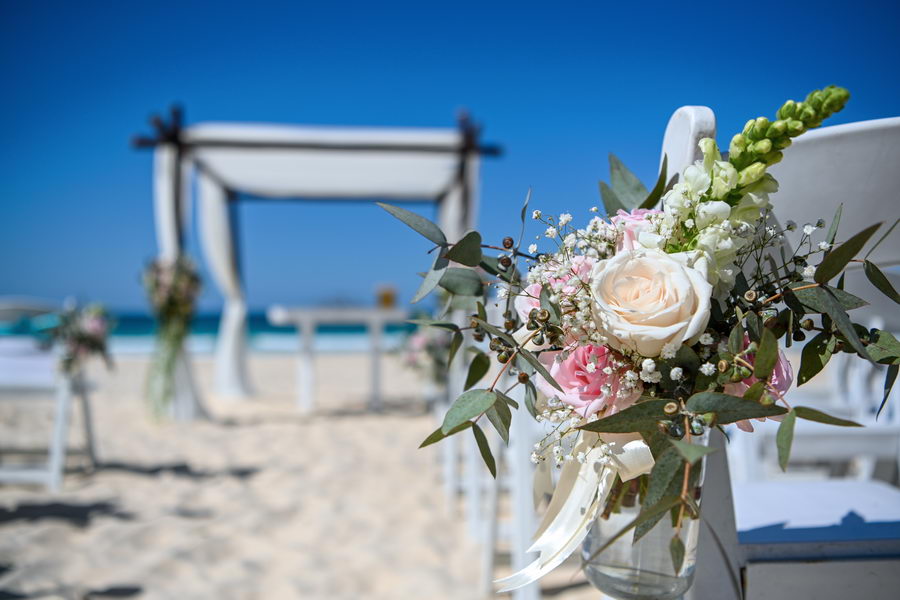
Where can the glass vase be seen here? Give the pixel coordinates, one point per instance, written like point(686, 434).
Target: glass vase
point(644, 570)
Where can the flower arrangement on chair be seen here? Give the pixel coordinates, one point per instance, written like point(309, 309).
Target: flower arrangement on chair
point(172, 288)
point(82, 333)
point(638, 333)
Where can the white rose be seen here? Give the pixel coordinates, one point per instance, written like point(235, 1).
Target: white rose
point(645, 299)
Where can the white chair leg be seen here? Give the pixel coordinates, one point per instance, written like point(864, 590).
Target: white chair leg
point(489, 537)
point(88, 417)
point(472, 481)
point(524, 520)
point(56, 462)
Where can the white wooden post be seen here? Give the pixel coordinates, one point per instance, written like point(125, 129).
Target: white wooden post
point(521, 476)
point(90, 445)
point(376, 329)
point(56, 461)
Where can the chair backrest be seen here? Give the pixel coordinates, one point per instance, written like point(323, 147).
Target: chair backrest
point(687, 126)
point(857, 165)
point(25, 363)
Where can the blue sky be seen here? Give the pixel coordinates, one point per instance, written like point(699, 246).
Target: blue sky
point(558, 85)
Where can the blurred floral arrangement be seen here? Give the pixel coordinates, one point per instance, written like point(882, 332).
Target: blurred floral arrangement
point(82, 333)
point(636, 334)
point(172, 288)
point(426, 350)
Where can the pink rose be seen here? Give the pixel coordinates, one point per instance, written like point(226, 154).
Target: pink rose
point(781, 379)
point(583, 390)
point(530, 296)
point(631, 225)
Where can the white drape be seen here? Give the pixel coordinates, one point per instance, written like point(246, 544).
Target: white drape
point(186, 404)
point(217, 240)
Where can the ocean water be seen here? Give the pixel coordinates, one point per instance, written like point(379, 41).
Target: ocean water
point(134, 333)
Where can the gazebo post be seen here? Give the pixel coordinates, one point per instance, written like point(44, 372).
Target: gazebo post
point(169, 211)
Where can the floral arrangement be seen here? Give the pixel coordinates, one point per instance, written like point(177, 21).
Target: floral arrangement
point(82, 333)
point(637, 333)
point(426, 351)
point(172, 288)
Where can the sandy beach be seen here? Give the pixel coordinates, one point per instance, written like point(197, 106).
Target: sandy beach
point(260, 502)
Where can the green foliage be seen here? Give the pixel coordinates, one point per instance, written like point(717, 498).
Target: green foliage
point(824, 299)
point(816, 354)
point(784, 438)
point(890, 378)
point(432, 278)
point(884, 348)
point(660, 187)
point(463, 282)
point(626, 192)
point(438, 434)
point(691, 452)
point(467, 251)
point(766, 356)
point(729, 409)
point(500, 416)
point(676, 549)
point(478, 368)
point(879, 280)
point(455, 344)
point(642, 416)
point(418, 223)
point(811, 414)
point(469, 405)
point(839, 257)
point(656, 511)
point(485, 448)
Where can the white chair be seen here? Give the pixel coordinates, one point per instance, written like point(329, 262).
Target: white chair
point(788, 523)
point(27, 371)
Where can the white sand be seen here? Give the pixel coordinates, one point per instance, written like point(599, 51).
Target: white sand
point(260, 503)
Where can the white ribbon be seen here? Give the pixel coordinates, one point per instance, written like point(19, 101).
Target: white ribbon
point(580, 494)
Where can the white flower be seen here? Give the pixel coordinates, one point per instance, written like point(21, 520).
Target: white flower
point(689, 223)
point(532, 248)
point(594, 209)
point(809, 271)
point(653, 377)
point(710, 213)
point(536, 214)
point(706, 339)
point(824, 246)
point(725, 178)
point(564, 219)
point(645, 299)
point(676, 373)
point(707, 368)
point(551, 232)
point(808, 229)
point(502, 292)
point(648, 365)
point(669, 350)
point(590, 367)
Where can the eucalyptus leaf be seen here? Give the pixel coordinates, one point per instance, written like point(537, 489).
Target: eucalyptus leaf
point(485, 448)
point(816, 354)
point(611, 202)
point(530, 398)
point(835, 261)
point(437, 435)
point(676, 550)
point(627, 187)
point(882, 238)
point(660, 187)
point(496, 332)
point(552, 308)
point(462, 281)
point(879, 280)
point(509, 401)
point(691, 452)
point(418, 223)
point(432, 277)
point(889, 379)
point(665, 481)
point(736, 339)
point(455, 343)
point(833, 228)
point(755, 391)
point(825, 299)
point(811, 299)
point(729, 409)
point(439, 324)
point(811, 414)
point(784, 438)
point(642, 416)
point(467, 251)
point(478, 368)
point(766, 356)
point(754, 326)
point(500, 417)
point(469, 405)
point(532, 360)
point(884, 348)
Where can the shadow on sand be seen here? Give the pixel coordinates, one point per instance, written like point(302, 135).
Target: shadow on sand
point(79, 515)
point(177, 469)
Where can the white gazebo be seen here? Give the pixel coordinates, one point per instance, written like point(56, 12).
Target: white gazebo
point(232, 161)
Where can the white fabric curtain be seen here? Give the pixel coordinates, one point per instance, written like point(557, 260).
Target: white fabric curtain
point(217, 238)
